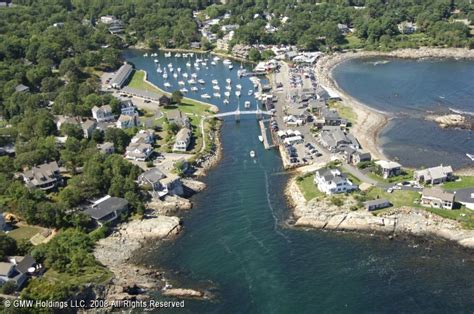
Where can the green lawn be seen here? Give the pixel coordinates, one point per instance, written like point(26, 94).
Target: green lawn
point(464, 182)
point(398, 198)
point(308, 188)
point(137, 81)
point(345, 112)
point(24, 232)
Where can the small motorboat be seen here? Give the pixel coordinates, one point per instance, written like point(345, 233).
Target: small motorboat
point(228, 80)
point(145, 54)
point(228, 87)
point(227, 94)
point(470, 156)
point(201, 81)
point(247, 104)
point(205, 96)
point(194, 88)
point(226, 101)
point(252, 154)
point(216, 87)
point(181, 83)
point(197, 68)
point(167, 54)
point(183, 90)
point(231, 66)
point(213, 63)
point(260, 138)
point(194, 75)
point(188, 64)
point(192, 81)
point(165, 75)
point(185, 75)
point(215, 82)
point(238, 86)
point(216, 58)
point(250, 92)
point(227, 62)
point(171, 70)
point(167, 84)
point(217, 95)
point(170, 65)
point(179, 69)
point(159, 70)
point(156, 61)
point(177, 55)
point(175, 75)
point(237, 93)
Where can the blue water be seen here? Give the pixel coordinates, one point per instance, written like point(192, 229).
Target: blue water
point(236, 243)
point(408, 90)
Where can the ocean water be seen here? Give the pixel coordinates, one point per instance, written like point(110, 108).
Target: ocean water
point(237, 244)
point(409, 90)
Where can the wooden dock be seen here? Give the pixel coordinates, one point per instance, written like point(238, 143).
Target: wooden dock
point(264, 135)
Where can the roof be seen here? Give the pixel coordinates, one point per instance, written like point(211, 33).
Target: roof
point(5, 268)
point(152, 175)
point(43, 173)
point(378, 202)
point(465, 195)
point(438, 193)
point(122, 74)
point(183, 135)
point(175, 114)
point(88, 124)
point(438, 172)
point(22, 88)
point(106, 207)
point(105, 108)
point(106, 146)
point(25, 262)
point(387, 164)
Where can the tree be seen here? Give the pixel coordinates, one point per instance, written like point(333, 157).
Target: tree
point(7, 246)
point(254, 55)
point(176, 97)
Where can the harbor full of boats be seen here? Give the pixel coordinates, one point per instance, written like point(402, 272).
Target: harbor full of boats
point(206, 77)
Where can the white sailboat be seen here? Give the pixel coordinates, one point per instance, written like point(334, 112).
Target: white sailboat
point(201, 81)
point(192, 81)
point(175, 75)
point(227, 62)
point(250, 92)
point(215, 82)
point(165, 75)
point(238, 86)
point(216, 58)
point(217, 95)
point(228, 80)
point(167, 54)
point(194, 88)
point(181, 83)
point(227, 94)
point(213, 63)
point(247, 104)
point(216, 87)
point(185, 75)
point(237, 93)
point(226, 101)
point(252, 154)
point(205, 96)
point(188, 64)
point(167, 84)
point(260, 138)
point(228, 87)
point(231, 66)
point(183, 90)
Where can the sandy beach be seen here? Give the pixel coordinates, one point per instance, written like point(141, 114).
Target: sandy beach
point(370, 122)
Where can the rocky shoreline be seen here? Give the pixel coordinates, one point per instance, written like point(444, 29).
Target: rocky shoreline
point(320, 214)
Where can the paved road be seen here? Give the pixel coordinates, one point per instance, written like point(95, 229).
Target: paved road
point(363, 177)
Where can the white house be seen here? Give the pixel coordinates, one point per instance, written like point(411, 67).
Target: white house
point(437, 198)
point(144, 136)
point(434, 175)
point(102, 114)
point(138, 151)
point(332, 181)
point(389, 168)
point(183, 138)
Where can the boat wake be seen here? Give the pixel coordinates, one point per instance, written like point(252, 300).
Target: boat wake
point(275, 226)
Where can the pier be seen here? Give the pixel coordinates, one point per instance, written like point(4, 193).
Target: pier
point(266, 144)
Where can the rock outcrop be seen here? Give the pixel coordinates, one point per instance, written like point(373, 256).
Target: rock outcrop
point(116, 251)
point(321, 214)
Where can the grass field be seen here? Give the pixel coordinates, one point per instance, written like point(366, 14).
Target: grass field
point(308, 188)
point(464, 182)
point(398, 198)
point(344, 111)
point(137, 81)
point(24, 232)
